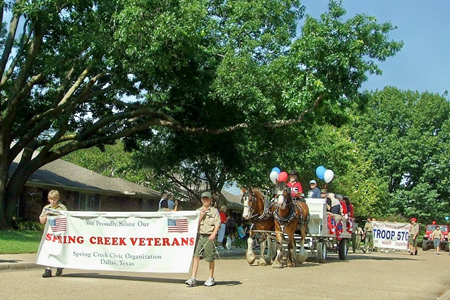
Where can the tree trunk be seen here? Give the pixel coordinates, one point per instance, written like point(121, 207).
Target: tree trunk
point(4, 169)
point(13, 191)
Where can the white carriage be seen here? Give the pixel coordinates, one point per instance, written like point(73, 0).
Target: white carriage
point(323, 238)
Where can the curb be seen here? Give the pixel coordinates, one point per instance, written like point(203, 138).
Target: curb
point(17, 266)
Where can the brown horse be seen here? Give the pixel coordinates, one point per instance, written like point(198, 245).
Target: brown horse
point(257, 211)
point(289, 216)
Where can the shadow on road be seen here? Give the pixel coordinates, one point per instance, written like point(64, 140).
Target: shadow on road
point(143, 279)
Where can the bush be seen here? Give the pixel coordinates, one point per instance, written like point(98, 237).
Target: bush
point(25, 224)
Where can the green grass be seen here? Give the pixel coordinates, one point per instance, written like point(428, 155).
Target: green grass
point(19, 241)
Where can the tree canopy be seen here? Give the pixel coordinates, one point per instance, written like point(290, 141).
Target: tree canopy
point(83, 73)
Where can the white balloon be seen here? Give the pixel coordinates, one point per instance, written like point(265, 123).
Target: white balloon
point(273, 176)
point(328, 176)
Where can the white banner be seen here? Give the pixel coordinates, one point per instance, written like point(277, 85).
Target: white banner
point(390, 235)
point(158, 242)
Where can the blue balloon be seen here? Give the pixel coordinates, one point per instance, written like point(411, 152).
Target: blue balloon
point(446, 218)
point(320, 171)
point(276, 169)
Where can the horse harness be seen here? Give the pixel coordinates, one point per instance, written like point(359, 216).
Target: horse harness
point(283, 221)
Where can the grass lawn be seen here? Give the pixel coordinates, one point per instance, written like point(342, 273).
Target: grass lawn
point(19, 241)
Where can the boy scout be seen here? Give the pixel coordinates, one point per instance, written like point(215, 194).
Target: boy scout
point(53, 198)
point(209, 224)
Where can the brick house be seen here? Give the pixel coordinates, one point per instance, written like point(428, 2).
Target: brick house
point(82, 189)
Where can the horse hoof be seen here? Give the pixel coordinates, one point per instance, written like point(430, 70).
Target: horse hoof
point(277, 265)
point(262, 262)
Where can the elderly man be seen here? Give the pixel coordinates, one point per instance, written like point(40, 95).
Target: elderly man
point(314, 191)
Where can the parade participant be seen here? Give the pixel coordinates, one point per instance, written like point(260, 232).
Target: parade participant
point(437, 238)
point(349, 207)
point(343, 211)
point(358, 237)
point(314, 191)
point(209, 224)
point(53, 199)
point(296, 187)
point(368, 236)
point(412, 239)
point(335, 206)
point(324, 195)
point(223, 226)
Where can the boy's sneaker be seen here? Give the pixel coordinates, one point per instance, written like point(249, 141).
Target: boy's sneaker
point(191, 281)
point(59, 271)
point(210, 282)
point(47, 273)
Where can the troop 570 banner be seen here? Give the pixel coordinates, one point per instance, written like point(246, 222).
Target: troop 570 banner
point(160, 242)
point(390, 235)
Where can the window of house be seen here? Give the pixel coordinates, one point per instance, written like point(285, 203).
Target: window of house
point(89, 202)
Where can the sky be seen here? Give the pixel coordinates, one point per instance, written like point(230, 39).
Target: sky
point(423, 64)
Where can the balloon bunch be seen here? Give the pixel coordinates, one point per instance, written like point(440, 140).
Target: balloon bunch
point(324, 174)
point(277, 175)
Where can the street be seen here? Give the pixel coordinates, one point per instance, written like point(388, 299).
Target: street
point(395, 275)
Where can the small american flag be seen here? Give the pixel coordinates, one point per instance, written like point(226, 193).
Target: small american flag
point(177, 225)
point(58, 224)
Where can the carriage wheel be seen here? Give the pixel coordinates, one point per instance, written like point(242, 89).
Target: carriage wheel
point(343, 249)
point(321, 251)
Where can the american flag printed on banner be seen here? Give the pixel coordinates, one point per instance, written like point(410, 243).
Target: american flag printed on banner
point(58, 224)
point(177, 225)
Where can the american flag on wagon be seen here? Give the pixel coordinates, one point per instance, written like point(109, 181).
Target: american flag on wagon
point(58, 224)
point(177, 225)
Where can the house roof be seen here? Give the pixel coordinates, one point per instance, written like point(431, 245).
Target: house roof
point(60, 173)
point(234, 201)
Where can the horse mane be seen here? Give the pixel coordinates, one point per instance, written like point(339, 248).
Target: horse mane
point(258, 193)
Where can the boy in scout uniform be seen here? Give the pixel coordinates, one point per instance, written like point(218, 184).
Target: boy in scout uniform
point(209, 224)
point(53, 198)
point(412, 239)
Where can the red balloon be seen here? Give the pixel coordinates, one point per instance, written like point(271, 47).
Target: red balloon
point(283, 176)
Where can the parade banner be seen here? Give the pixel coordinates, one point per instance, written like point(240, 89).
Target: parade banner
point(158, 242)
point(390, 235)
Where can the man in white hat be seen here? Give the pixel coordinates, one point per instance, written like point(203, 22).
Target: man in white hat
point(314, 191)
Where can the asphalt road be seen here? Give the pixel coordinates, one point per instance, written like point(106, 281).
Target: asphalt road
point(362, 276)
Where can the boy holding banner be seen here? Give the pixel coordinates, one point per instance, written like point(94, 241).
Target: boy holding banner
point(209, 224)
point(53, 198)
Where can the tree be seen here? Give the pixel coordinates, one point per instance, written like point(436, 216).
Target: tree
point(406, 136)
point(81, 73)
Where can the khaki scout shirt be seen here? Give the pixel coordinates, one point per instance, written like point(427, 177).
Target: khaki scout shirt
point(368, 227)
point(59, 206)
point(210, 220)
point(437, 234)
point(413, 230)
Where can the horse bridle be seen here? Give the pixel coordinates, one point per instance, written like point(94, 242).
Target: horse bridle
point(266, 213)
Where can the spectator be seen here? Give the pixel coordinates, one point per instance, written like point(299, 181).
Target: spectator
point(223, 226)
point(209, 224)
point(173, 204)
point(296, 187)
point(49, 210)
point(412, 239)
point(242, 233)
point(163, 197)
point(314, 191)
